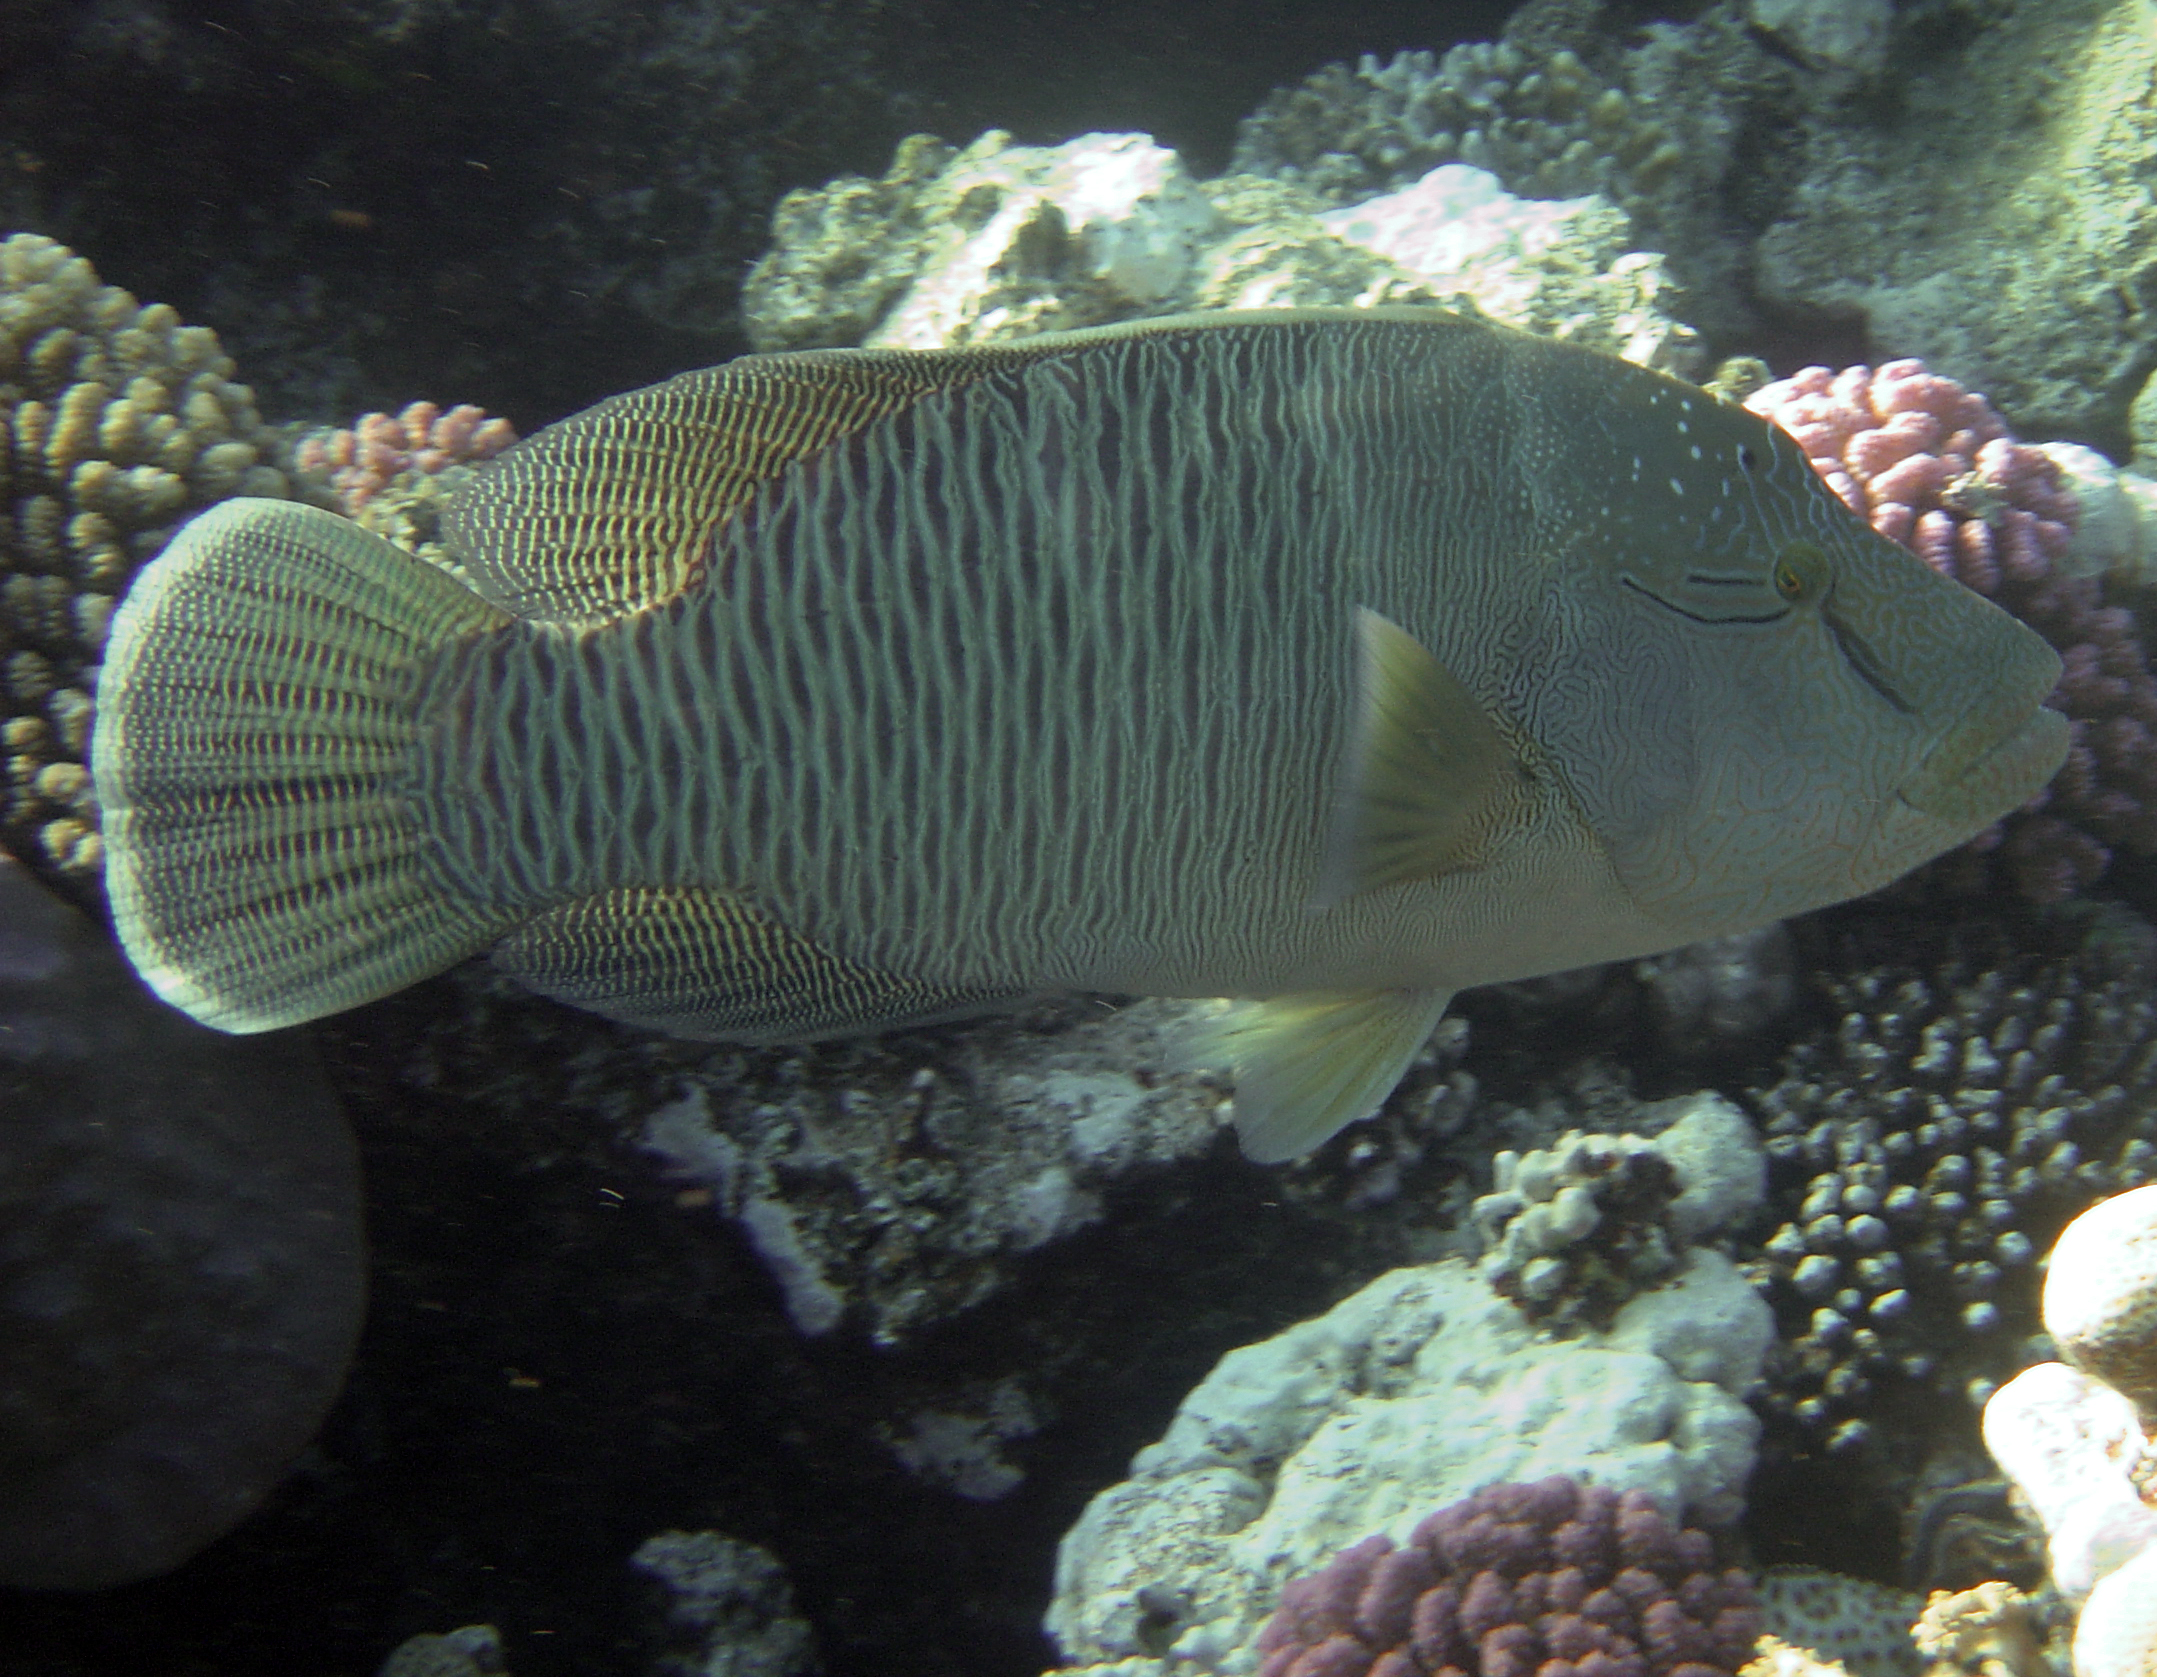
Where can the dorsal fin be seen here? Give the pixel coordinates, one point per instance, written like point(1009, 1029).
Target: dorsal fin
point(615, 508)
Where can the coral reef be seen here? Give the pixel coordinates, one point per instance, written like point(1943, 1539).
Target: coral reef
point(995, 241)
point(1538, 1580)
point(1653, 121)
point(2116, 1635)
point(1722, 991)
point(395, 474)
point(1547, 126)
point(1922, 214)
point(359, 462)
point(1991, 1630)
point(119, 424)
point(1929, 464)
point(1932, 465)
point(1558, 268)
point(726, 1607)
point(1420, 1389)
point(897, 1179)
point(1849, 35)
point(468, 1651)
point(2076, 1451)
point(1968, 1101)
point(2100, 1300)
point(1773, 1657)
point(1574, 1230)
point(2077, 1448)
point(182, 1273)
point(371, 199)
point(1860, 1625)
point(999, 241)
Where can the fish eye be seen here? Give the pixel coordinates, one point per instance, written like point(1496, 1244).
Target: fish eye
point(1747, 459)
point(1798, 571)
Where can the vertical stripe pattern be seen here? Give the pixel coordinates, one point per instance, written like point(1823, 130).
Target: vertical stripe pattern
point(1040, 681)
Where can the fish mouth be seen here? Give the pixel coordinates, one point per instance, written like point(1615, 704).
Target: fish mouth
point(1994, 760)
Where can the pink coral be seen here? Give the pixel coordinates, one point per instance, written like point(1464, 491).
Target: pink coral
point(1542, 1580)
point(362, 462)
point(1931, 465)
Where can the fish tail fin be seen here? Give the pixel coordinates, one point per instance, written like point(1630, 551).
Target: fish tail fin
point(258, 710)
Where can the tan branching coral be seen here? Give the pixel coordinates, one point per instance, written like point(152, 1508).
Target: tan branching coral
point(1989, 1631)
point(116, 423)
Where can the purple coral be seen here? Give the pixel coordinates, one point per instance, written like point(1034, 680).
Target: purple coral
point(1932, 465)
point(361, 463)
point(1545, 1580)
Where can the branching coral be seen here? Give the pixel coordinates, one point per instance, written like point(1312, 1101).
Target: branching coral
point(1931, 465)
point(119, 424)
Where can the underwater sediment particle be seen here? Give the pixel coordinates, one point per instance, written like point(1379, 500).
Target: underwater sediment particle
point(116, 423)
point(181, 1261)
point(1969, 1099)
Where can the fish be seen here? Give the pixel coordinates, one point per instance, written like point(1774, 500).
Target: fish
point(1321, 662)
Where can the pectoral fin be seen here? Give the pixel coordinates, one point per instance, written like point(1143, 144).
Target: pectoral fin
point(1429, 778)
point(1308, 1065)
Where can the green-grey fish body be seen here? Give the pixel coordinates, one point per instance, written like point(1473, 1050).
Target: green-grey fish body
point(1334, 661)
point(1042, 689)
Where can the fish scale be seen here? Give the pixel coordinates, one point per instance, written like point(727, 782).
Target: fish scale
point(1330, 661)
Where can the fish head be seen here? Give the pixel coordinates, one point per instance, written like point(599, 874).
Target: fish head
point(1821, 710)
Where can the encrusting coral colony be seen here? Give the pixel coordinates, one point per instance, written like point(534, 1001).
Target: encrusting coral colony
point(1825, 1261)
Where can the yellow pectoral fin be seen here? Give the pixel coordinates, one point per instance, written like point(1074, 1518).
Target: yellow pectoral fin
point(1429, 777)
point(1308, 1065)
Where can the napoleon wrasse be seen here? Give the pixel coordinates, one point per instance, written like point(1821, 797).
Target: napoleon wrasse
point(1327, 660)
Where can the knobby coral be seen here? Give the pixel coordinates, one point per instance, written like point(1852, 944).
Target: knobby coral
point(117, 423)
point(1550, 1579)
point(423, 440)
point(1974, 1093)
point(1933, 466)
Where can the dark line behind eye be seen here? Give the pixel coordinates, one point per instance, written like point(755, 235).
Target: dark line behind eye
point(1672, 605)
point(1862, 660)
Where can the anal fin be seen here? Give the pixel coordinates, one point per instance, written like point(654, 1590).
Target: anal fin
point(701, 963)
point(1308, 1065)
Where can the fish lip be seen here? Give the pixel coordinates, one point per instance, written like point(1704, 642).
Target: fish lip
point(2021, 745)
